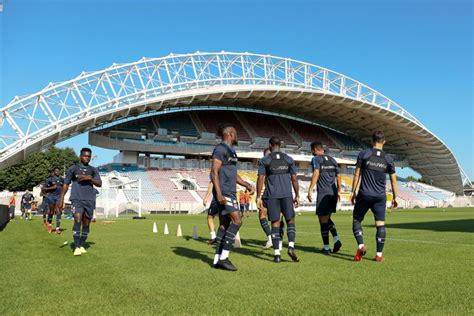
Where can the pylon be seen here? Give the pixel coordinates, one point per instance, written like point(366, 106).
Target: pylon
point(237, 243)
point(155, 229)
point(179, 233)
point(166, 232)
point(195, 232)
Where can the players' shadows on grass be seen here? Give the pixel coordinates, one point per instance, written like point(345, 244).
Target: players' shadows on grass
point(317, 251)
point(250, 247)
point(459, 225)
point(199, 239)
point(87, 245)
point(192, 254)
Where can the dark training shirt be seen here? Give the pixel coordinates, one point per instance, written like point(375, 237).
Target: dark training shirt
point(228, 170)
point(328, 170)
point(277, 169)
point(27, 197)
point(375, 165)
point(53, 180)
point(84, 190)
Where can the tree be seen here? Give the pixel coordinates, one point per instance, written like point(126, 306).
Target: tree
point(36, 168)
point(412, 179)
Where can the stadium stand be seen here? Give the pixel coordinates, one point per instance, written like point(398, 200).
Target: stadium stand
point(343, 141)
point(164, 181)
point(267, 126)
point(178, 122)
point(137, 125)
point(310, 133)
point(210, 120)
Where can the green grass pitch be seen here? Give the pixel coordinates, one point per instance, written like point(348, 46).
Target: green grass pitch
point(130, 270)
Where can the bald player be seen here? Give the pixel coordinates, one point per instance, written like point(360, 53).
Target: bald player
point(224, 179)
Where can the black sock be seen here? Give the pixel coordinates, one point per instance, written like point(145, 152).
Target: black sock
point(282, 230)
point(380, 237)
point(230, 233)
point(220, 240)
point(332, 228)
point(325, 233)
point(265, 226)
point(50, 218)
point(44, 218)
point(76, 234)
point(291, 232)
point(58, 220)
point(357, 230)
point(84, 234)
point(276, 237)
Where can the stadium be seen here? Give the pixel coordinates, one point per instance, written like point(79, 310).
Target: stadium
point(162, 114)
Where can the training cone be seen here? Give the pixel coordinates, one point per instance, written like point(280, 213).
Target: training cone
point(155, 229)
point(237, 243)
point(166, 229)
point(179, 233)
point(195, 232)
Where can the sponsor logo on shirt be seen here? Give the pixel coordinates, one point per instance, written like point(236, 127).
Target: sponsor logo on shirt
point(376, 164)
point(280, 168)
point(328, 167)
point(232, 159)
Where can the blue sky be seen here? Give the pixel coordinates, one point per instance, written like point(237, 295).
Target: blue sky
point(419, 53)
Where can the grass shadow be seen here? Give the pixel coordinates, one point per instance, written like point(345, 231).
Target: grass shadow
point(192, 254)
point(87, 245)
point(459, 225)
point(199, 239)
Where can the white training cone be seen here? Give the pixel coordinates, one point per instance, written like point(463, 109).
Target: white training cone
point(166, 229)
point(237, 243)
point(179, 233)
point(195, 232)
point(155, 229)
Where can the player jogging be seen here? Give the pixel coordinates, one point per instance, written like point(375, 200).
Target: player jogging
point(325, 176)
point(53, 188)
point(371, 169)
point(83, 197)
point(278, 171)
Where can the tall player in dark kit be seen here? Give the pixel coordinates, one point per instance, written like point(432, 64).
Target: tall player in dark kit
point(278, 171)
point(371, 169)
point(224, 178)
point(325, 176)
point(83, 197)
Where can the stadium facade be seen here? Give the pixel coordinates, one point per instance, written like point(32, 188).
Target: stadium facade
point(160, 107)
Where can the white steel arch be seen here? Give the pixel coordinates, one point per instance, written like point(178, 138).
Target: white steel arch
point(64, 109)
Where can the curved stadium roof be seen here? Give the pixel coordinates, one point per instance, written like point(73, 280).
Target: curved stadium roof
point(261, 82)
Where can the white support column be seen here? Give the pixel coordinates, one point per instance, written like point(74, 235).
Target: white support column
point(116, 203)
point(139, 197)
point(106, 205)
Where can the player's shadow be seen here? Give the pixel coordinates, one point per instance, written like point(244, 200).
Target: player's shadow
point(317, 251)
point(87, 245)
point(250, 248)
point(459, 225)
point(192, 254)
point(254, 248)
point(199, 239)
